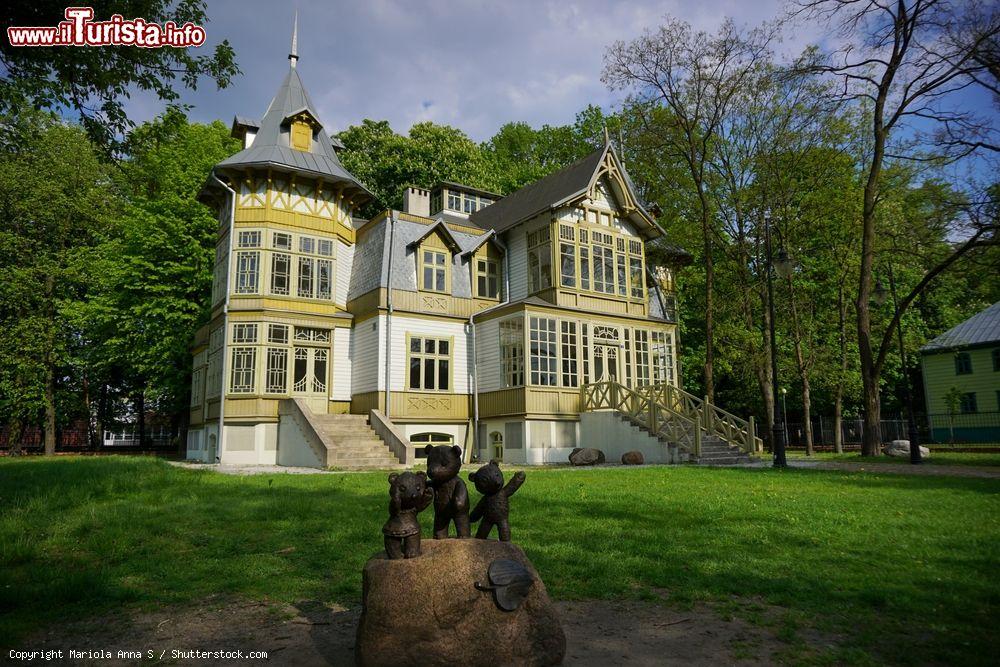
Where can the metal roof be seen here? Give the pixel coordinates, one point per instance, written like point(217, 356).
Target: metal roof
point(982, 328)
point(270, 148)
point(554, 190)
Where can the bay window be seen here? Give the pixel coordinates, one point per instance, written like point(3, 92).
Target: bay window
point(281, 273)
point(247, 271)
point(539, 260)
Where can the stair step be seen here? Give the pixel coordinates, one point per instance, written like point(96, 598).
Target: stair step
point(347, 432)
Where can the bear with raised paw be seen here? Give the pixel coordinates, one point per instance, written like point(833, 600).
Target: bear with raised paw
point(494, 506)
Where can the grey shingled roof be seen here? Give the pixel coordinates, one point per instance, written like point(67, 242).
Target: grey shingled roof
point(532, 199)
point(270, 147)
point(982, 328)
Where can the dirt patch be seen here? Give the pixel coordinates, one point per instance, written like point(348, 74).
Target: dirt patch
point(598, 632)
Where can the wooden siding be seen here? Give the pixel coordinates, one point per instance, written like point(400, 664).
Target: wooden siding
point(366, 363)
point(403, 326)
point(342, 367)
point(940, 377)
point(488, 364)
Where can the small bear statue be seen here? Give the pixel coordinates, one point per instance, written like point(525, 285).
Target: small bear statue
point(494, 506)
point(408, 495)
point(451, 498)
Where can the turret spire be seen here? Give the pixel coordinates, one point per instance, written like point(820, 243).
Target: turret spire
point(293, 56)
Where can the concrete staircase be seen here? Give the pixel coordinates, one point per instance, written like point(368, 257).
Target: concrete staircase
point(344, 442)
point(717, 452)
point(351, 444)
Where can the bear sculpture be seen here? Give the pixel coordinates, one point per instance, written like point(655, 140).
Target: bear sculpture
point(494, 506)
point(451, 498)
point(408, 495)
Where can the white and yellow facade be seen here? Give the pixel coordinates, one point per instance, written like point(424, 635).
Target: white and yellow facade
point(466, 318)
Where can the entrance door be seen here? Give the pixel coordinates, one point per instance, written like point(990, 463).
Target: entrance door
point(310, 374)
point(605, 363)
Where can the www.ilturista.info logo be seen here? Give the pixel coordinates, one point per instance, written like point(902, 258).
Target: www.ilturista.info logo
point(80, 30)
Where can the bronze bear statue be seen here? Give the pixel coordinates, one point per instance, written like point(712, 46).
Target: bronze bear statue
point(451, 498)
point(494, 506)
point(408, 495)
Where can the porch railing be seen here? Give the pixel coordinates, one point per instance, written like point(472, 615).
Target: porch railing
point(670, 412)
point(715, 420)
point(643, 410)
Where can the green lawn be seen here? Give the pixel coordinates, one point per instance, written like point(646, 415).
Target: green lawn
point(937, 457)
point(904, 567)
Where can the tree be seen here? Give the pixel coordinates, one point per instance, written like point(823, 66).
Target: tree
point(386, 162)
point(693, 76)
point(94, 81)
point(156, 271)
point(902, 61)
point(57, 205)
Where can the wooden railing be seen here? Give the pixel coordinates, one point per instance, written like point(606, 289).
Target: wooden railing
point(642, 409)
point(715, 420)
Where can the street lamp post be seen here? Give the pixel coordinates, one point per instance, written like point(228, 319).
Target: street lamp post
point(881, 296)
point(783, 266)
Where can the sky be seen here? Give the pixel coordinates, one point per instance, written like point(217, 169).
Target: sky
point(471, 64)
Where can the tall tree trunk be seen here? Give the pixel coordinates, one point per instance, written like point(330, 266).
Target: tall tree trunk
point(838, 401)
point(140, 405)
point(14, 430)
point(706, 234)
point(102, 410)
point(803, 368)
point(50, 368)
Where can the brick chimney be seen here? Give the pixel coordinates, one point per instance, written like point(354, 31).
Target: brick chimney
point(417, 201)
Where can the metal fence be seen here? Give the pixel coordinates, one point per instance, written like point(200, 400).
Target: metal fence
point(154, 438)
point(976, 428)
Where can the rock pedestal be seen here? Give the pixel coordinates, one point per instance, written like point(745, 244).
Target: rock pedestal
point(427, 611)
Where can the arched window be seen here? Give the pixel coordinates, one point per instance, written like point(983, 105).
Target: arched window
point(421, 440)
point(496, 445)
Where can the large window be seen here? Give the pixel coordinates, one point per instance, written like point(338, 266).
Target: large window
point(539, 260)
point(570, 377)
point(567, 256)
point(244, 362)
point(281, 273)
point(641, 358)
point(433, 270)
point(996, 359)
point(663, 357)
point(277, 370)
point(430, 363)
point(324, 278)
point(967, 404)
point(963, 363)
point(307, 267)
point(512, 352)
point(487, 279)
point(247, 271)
point(543, 351)
point(604, 263)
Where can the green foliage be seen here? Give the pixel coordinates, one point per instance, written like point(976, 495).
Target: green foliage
point(94, 81)
point(157, 271)
point(387, 162)
point(85, 536)
point(57, 204)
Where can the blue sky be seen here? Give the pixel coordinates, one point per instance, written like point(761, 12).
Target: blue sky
point(471, 64)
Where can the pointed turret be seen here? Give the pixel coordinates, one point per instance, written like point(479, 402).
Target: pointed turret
point(290, 136)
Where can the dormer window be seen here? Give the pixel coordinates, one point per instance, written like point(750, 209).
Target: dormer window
point(434, 270)
point(301, 136)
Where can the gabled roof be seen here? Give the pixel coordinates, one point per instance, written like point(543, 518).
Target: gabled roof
point(982, 328)
point(552, 191)
point(480, 241)
point(270, 147)
point(446, 234)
